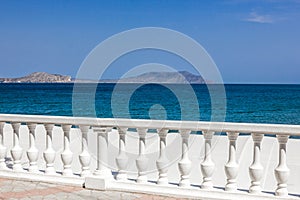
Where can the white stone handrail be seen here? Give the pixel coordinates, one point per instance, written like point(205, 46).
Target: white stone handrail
point(45, 167)
point(276, 129)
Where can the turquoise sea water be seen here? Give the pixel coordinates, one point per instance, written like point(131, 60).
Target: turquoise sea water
point(278, 104)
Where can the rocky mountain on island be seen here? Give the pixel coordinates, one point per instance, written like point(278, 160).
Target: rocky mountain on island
point(161, 77)
point(38, 77)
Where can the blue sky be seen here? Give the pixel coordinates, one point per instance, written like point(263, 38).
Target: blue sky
point(251, 41)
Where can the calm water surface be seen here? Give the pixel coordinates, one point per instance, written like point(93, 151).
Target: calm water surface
point(278, 104)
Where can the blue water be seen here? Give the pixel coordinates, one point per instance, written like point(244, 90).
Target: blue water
point(279, 104)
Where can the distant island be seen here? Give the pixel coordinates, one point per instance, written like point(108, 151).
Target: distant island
point(160, 77)
point(149, 77)
point(38, 77)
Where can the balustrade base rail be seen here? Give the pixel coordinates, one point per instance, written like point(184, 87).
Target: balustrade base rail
point(41, 177)
point(190, 192)
point(173, 190)
point(85, 152)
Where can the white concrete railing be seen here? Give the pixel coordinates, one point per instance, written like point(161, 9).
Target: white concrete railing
point(44, 167)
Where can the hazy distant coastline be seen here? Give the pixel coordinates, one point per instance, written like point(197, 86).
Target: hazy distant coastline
point(149, 77)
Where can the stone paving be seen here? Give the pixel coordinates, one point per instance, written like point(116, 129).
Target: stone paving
point(16, 189)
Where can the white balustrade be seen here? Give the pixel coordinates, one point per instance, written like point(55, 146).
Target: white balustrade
point(207, 166)
point(142, 160)
point(67, 154)
point(256, 168)
point(122, 158)
point(282, 172)
point(162, 163)
point(16, 151)
point(232, 166)
point(32, 152)
point(102, 170)
point(85, 157)
point(102, 177)
point(49, 154)
point(185, 163)
point(2, 148)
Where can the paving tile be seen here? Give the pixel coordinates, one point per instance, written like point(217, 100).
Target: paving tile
point(36, 197)
point(84, 192)
point(26, 198)
point(126, 196)
point(18, 189)
point(6, 188)
point(113, 195)
point(50, 197)
point(61, 195)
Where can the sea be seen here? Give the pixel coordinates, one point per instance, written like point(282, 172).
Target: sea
point(249, 103)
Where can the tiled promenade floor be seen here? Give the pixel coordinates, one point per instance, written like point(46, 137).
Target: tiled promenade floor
point(15, 189)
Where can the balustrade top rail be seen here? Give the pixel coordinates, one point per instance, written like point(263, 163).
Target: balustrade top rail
point(278, 129)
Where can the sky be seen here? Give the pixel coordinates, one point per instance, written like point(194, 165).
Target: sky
point(251, 41)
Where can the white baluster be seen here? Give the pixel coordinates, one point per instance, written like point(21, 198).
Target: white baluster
point(84, 157)
point(282, 172)
point(2, 148)
point(232, 166)
point(142, 160)
point(49, 154)
point(256, 169)
point(67, 155)
point(16, 151)
point(32, 152)
point(207, 166)
point(102, 170)
point(184, 164)
point(162, 162)
point(122, 158)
